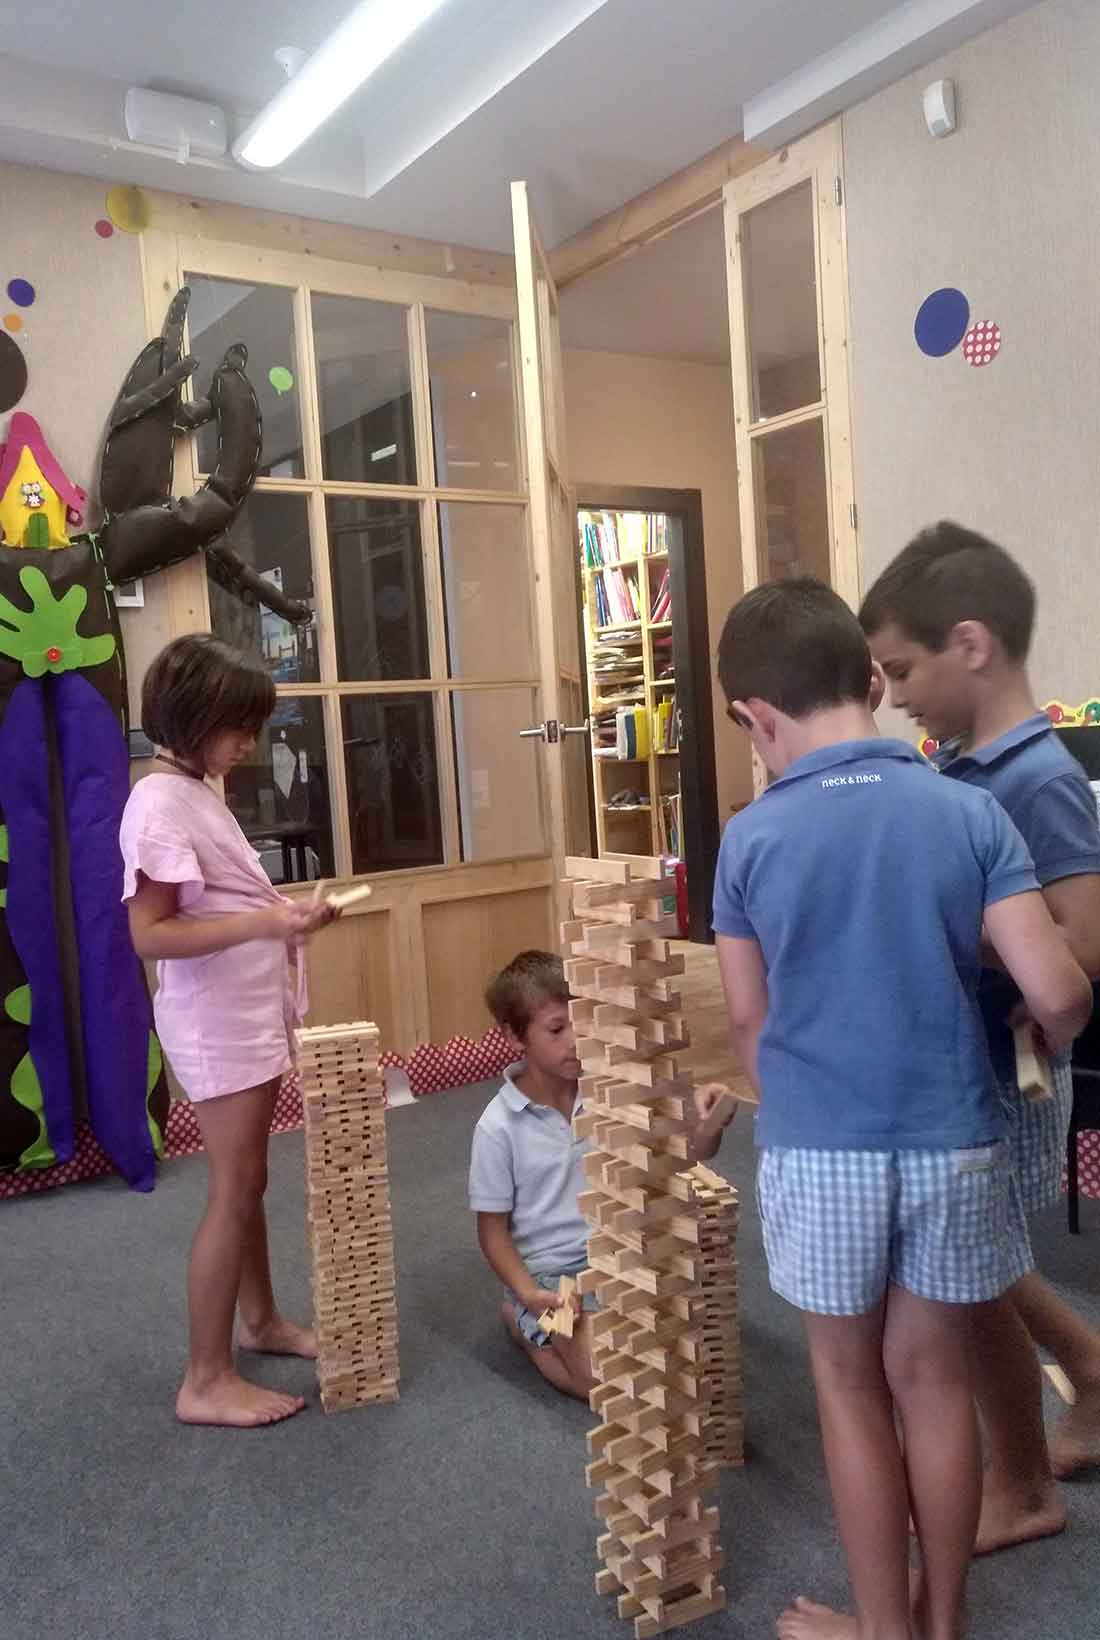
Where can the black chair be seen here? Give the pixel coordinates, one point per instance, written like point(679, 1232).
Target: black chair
point(1086, 1106)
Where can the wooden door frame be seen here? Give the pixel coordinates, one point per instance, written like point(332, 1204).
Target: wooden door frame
point(691, 647)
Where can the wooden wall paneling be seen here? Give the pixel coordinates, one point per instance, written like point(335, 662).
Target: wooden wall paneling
point(466, 942)
point(351, 974)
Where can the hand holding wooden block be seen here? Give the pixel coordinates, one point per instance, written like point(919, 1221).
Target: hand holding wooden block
point(561, 1320)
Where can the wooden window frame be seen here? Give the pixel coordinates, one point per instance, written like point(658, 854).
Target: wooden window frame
point(167, 259)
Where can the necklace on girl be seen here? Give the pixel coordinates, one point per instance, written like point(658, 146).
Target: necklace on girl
point(162, 757)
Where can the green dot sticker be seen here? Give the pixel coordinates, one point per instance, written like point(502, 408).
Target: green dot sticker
point(280, 378)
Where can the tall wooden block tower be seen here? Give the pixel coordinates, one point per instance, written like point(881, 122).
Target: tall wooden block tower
point(660, 1550)
point(348, 1209)
point(724, 1425)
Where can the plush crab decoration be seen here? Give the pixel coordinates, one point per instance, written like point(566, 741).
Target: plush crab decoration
point(76, 1035)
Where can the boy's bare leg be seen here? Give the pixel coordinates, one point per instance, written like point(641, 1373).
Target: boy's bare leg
point(546, 1359)
point(234, 1131)
point(867, 1480)
point(1075, 1346)
point(262, 1327)
point(928, 1355)
point(1020, 1497)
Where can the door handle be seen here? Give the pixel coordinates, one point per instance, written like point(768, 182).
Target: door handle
point(576, 728)
point(533, 734)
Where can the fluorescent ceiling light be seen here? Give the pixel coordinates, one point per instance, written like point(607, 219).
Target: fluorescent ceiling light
point(350, 55)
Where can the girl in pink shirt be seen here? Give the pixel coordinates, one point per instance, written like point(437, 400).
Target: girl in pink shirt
point(230, 991)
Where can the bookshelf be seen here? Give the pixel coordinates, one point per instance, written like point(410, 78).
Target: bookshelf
point(648, 679)
point(631, 678)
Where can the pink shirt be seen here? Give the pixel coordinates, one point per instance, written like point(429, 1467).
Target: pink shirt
point(226, 1021)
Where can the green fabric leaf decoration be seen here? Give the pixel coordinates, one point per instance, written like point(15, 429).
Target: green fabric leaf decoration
point(45, 637)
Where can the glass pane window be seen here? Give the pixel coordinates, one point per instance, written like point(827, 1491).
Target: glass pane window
point(377, 589)
point(781, 302)
point(392, 780)
point(793, 533)
point(494, 767)
point(364, 391)
point(474, 421)
point(224, 312)
point(280, 796)
point(271, 534)
point(487, 590)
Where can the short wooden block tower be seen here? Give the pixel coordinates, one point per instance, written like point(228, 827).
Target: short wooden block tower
point(348, 1208)
point(660, 1550)
point(724, 1426)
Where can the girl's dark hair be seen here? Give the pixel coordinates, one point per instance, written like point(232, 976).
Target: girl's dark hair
point(795, 644)
point(531, 979)
point(197, 687)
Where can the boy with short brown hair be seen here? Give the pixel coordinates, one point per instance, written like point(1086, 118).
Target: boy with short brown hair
point(950, 621)
point(526, 1169)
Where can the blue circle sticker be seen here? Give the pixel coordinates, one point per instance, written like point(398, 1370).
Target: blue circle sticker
point(941, 322)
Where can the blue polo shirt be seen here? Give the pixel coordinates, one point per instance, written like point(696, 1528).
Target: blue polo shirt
point(1046, 794)
point(864, 878)
point(526, 1160)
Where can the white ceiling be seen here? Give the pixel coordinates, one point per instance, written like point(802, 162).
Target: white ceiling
point(634, 92)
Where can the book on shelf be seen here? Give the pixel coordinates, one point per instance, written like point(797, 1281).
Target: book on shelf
point(666, 725)
point(617, 597)
point(632, 732)
point(662, 601)
point(670, 824)
point(620, 537)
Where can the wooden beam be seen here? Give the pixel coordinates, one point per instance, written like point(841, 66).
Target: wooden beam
point(649, 215)
point(335, 241)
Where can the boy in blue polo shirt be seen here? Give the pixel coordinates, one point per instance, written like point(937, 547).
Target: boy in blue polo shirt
point(950, 620)
point(883, 1184)
point(526, 1169)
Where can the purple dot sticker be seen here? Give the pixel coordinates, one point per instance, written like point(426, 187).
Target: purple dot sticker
point(104, 228)
point(21, 292)
point(941, 322)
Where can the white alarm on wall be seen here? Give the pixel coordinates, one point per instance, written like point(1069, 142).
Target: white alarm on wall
point(939, 108)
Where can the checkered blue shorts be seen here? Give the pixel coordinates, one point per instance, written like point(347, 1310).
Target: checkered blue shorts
point(839, 1225)
point(1037, 1131)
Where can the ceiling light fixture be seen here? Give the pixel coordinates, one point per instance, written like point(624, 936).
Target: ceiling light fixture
point(339, 66)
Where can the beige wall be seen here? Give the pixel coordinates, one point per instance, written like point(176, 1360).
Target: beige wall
point(1007, 209)
point(634, 420)
point(79, 337)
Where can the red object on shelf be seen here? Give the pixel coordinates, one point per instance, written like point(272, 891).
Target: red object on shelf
point(682, 916)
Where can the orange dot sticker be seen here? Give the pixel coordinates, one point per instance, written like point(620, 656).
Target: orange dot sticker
point(13, 322)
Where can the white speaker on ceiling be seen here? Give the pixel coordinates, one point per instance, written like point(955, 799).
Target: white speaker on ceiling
point(180, 125)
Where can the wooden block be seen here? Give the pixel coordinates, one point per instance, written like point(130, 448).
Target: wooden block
point(1033, 1075)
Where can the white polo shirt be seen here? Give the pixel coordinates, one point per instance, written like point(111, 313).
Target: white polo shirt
point(527, 1161)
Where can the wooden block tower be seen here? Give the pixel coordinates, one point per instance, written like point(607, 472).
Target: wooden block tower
point(660, 1549)
point(724, 1425)
point(348, 1207)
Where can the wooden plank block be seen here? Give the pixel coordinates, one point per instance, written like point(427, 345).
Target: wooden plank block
point(1033, 1074)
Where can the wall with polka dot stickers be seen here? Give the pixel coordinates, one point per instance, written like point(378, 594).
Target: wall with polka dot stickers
point(943, 322)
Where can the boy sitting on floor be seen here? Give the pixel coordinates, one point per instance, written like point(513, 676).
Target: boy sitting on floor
point(526, 1169)
point(884, 1184)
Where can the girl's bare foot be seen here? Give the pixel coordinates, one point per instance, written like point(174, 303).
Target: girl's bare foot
point(279, 1337)
point(1009, 1518)
point(806, 1620)
point(234, 1402)
point(1075, 1444)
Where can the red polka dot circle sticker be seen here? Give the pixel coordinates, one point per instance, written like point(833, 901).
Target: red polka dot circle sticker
point(982, 343)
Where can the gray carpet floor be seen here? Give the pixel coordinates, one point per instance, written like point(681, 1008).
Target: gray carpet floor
point(460, 1511)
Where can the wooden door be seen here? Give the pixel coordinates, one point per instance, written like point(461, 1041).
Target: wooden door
point(563, 729)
